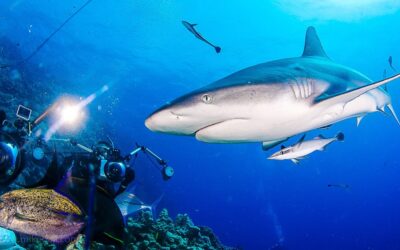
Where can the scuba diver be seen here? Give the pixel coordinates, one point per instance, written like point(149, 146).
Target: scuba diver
point(97, 178)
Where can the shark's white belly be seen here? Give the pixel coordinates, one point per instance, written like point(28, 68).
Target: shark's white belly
point(290, 117)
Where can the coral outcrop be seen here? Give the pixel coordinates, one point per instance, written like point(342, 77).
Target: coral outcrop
point(144, 232)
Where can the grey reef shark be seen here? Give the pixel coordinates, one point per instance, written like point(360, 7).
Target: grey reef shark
point(273, 101)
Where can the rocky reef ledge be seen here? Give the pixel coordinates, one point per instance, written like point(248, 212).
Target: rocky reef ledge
point(143, 232)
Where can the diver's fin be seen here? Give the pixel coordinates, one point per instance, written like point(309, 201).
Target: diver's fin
point(312, 45)
point(301, 140)
point(24, 217)
point(359, 119)
point(270, 144)
point(390, 106)
point(350, 95)
point(127, 201)
point(154, 206)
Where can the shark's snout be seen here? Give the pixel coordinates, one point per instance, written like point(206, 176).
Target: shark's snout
point(159, 120)
point(167, 121)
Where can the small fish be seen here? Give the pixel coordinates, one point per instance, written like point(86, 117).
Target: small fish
point(191, 28)
point(344, 186)
point(41, 212)
point(302, 148)
point(390, 60)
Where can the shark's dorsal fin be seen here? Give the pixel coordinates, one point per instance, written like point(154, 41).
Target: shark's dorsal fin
point(301, 140)
point(312, 45)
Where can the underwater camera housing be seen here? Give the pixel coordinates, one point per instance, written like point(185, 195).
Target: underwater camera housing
point(111, 169)
point(13, 136)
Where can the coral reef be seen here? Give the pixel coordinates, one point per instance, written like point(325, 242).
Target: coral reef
point(144, 232)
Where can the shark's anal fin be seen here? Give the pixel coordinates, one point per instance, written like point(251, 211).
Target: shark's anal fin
point(350, 95)
point(270, 144)
point(312, 45)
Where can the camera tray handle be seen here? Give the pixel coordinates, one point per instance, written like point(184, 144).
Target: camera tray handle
point(147, 150)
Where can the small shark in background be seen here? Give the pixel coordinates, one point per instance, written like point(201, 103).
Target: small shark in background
point(344, 186)
point(390, 60)
point(303, 148)
point(191, 28)
point(273, 101)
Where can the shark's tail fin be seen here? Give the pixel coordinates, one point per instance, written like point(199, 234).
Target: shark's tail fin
point(217, 49)
point(340, 136)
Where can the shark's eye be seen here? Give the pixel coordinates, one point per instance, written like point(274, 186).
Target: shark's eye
point(206, 98)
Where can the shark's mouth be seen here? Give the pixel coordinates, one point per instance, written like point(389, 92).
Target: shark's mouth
point(222, 131)
point(209, 126)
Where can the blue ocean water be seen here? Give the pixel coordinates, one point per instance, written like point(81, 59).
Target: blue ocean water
point(143, 53)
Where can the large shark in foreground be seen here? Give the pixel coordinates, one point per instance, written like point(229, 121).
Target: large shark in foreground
point(273, 101)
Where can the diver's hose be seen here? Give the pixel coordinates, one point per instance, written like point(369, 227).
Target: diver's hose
point(38, 48)
point(91, 200)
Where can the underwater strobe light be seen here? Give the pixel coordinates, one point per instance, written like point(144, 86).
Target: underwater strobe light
point(167, 172)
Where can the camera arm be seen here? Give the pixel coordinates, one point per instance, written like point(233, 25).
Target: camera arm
point(147, 150)
point(74, 143)
point(166, 171)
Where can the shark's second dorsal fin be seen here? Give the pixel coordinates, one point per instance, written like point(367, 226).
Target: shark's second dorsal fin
point(312, 45)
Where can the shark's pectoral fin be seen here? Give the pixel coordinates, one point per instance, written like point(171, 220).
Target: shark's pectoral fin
point(393, 113)
point(270, 144)
point(359, 119)
point(350, 95)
